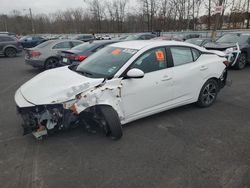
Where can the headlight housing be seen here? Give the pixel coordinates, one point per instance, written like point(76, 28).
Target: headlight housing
point(231, 50)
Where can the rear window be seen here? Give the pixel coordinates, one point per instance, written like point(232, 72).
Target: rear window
point(44, 44)
point(84, 46)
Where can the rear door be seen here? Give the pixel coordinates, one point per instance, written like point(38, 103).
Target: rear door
point(187, 74)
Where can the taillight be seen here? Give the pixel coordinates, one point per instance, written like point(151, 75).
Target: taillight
point(81, 57)
point(35, 53)
point(227, 63)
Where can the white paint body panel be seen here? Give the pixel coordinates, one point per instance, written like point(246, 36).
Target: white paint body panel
point(131, 98)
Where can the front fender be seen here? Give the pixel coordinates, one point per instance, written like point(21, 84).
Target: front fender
point(108, 93)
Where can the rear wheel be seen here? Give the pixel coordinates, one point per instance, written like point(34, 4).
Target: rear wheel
point(112, 122)
point(10, 52)
point(208, 93)
point(241, 61)
point(51, 63)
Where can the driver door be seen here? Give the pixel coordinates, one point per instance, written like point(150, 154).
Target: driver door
point(152, 93)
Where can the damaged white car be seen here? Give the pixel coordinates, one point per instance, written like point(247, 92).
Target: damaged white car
point(121, 83)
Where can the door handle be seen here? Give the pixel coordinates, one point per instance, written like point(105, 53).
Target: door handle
point(203, 68)
point(166, 78)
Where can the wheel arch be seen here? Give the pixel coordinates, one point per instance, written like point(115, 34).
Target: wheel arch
point(9, 46)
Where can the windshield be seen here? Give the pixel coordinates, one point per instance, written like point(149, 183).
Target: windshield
point(106, 62)
point(84, 46)
point(234, 38)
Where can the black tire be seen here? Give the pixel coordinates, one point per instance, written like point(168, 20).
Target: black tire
point(51, 63)
point(10, 52)
point(208, 93)
point(241, 61)
point(112, 121)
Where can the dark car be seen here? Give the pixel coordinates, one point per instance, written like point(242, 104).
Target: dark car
point(85, 37)
point(228, 43)
point(9, 34)
point(31, 41)
point(199, 41)
point(141, 36)
point(191, 35)
point(45, 55)
point(81, 52)
point(9, 46)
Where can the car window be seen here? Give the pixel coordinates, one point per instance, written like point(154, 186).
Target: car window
point(143, 37)
point(76, 43)
point(106, 62)
point(28, 39)
point(147, 37)
point(62, 45)
point(44, 44)
point(196, 54)
point(152, 60)
point(97, 48)
point(6, 39)
point(181, 55)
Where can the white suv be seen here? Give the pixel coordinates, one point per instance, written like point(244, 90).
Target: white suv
point(119, 84)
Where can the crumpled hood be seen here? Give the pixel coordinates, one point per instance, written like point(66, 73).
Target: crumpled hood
point(56, 86)
point(219, 46)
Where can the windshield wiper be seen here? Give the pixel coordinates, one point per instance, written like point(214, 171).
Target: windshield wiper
point(85, 73)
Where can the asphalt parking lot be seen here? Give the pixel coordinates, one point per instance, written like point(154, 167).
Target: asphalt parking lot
point(186, 147)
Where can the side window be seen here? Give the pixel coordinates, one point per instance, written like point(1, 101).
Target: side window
point(181, 55)
point(143, 37)
point(152, 60)
point(7, 39)
point(75, 43)
point(196, 54)
point(148, 37)
point(62, 45)
point(98, 48)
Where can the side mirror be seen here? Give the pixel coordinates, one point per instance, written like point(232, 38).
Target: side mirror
point(135, 73)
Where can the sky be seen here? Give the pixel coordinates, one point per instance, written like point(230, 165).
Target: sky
point(38, 6)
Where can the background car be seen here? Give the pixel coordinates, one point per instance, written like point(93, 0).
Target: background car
point(191, 35)
point(9, 34)
point(168, 37)
point(199, 41)
point(31, 41)
point(45, 55)
point(141, 36)
point(106, 37)
point(228, 42)
point(81, 52)
point(9, 46)
point(85, 37)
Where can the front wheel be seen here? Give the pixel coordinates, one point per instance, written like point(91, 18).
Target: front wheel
point(241, 61)
point(208, 93)
point(112, 121)
point(10, 52)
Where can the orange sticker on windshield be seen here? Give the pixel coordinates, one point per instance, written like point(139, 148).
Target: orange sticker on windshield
point(116, 51)
point(159, 55)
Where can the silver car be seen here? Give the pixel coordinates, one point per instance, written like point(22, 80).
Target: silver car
point(45, 55)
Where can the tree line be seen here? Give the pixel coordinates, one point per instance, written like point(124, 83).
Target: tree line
point(117, 16)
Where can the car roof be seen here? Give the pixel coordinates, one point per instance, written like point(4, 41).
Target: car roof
point(140, 44)
point(240, 32)
point(54, 41)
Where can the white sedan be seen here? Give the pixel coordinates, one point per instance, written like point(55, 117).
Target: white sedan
point(121, 83)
